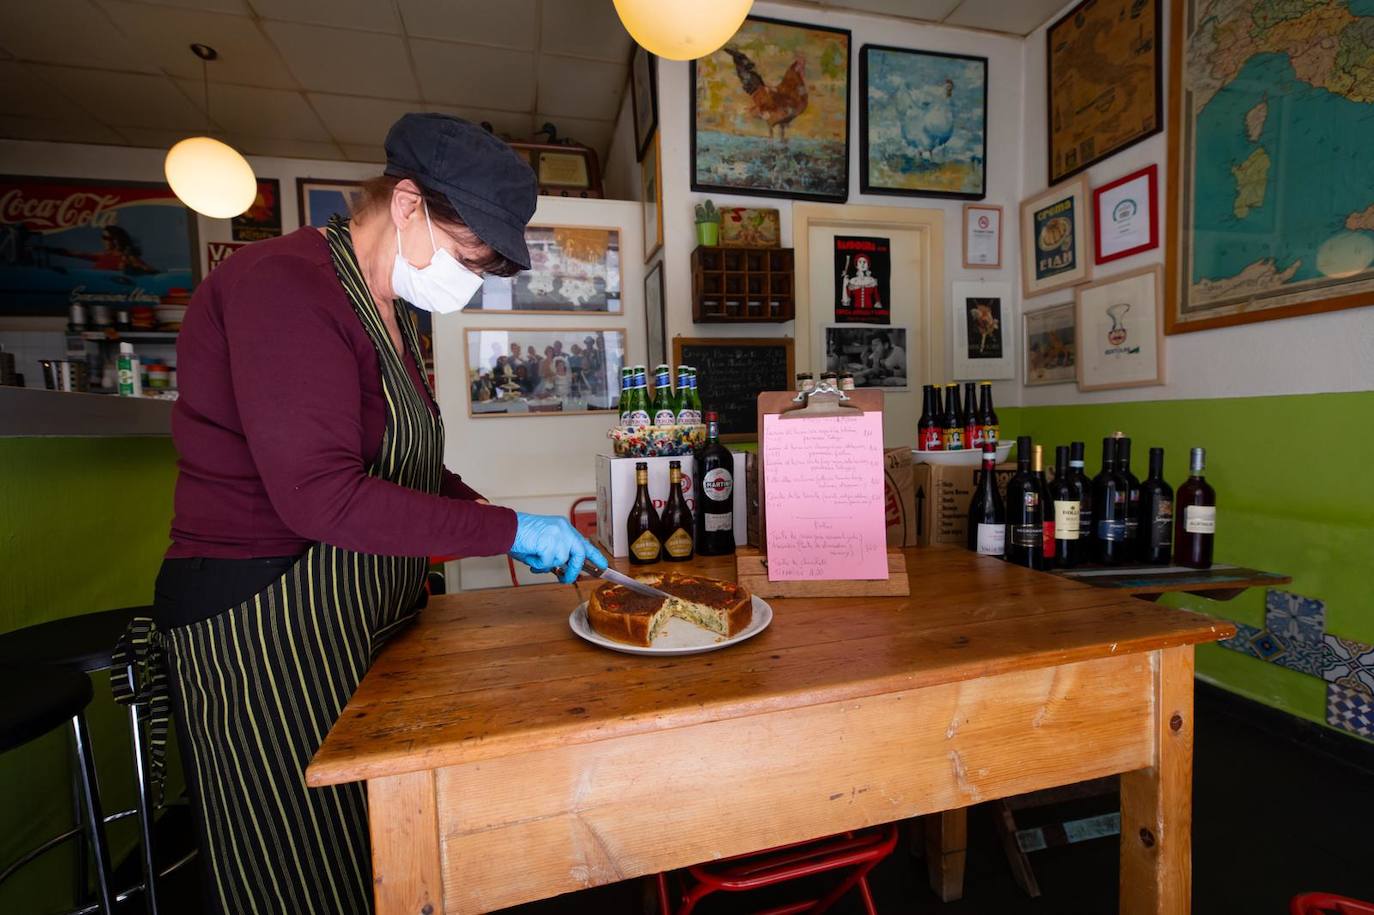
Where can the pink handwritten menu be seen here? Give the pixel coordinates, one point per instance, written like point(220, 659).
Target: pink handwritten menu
point(823, 482)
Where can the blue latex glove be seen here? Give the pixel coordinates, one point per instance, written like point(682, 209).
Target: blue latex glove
point(548, 542)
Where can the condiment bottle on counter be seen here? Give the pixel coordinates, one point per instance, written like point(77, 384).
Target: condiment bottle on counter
point(130, 372)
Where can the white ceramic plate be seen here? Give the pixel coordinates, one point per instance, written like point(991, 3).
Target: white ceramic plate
point(968, 457)
point(680, 636)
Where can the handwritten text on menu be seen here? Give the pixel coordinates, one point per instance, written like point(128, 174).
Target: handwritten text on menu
point(823, 482)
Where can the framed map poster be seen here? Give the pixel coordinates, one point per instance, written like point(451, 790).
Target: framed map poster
point(1055, 228)
point(1270, 194)
point(1104, 69)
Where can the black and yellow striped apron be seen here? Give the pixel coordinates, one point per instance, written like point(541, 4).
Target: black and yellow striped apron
point(258, 686)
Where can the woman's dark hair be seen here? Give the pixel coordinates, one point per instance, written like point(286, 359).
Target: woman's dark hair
point(375, 195)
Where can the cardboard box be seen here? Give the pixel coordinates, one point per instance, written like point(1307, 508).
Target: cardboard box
point(615, 495)
point(943, 493)
point(899, 497)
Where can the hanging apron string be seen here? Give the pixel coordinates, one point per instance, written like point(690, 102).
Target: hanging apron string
point(138, 676)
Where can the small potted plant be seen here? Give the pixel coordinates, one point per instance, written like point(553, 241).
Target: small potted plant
point(708, 224)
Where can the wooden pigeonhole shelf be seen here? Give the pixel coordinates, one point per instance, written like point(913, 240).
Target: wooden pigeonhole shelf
point(742, 285)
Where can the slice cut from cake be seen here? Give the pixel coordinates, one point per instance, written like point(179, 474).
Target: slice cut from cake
point(722, 607)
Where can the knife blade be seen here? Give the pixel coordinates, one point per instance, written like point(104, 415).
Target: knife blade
point(620, 578)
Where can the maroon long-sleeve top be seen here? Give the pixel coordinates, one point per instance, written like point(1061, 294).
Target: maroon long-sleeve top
point(280, 413)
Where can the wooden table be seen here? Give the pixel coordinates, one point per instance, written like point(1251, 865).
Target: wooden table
point(506, 760)
point(1220, 582)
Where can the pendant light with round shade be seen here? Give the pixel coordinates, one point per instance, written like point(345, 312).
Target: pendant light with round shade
point(209, 176)
point(682, 29)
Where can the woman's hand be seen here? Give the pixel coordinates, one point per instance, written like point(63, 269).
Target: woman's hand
point(548, 542)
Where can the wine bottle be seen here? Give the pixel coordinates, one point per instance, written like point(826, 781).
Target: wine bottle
point(1156, 542)
point(987, 533)
point(973, 428)
point(952, 425)
point(642, 527)
point(987, 416)
point(928, 436)
point(1109, 503)
point(715, 492)
point(1064, 496)
point(1025, 512)
point(677, 525)
point(1084, 487)
point(1123, 469)
point(1195, 516)
point(1046, 507)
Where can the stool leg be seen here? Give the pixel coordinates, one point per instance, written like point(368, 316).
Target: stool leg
point(145, 809)
point(95, 816)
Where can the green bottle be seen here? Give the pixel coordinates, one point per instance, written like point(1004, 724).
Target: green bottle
point(696, 397)
point(664, 410)
point(637, 414)
point(684, 396)
point(627, 383)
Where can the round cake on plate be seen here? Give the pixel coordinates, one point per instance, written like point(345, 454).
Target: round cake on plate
point(722, 607)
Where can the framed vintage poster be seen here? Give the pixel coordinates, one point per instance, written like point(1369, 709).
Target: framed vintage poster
point(1104, 68)
point(655, 316)
point(770, 113)
point(875, 356)
point(922, 123)
point(982, 235)
point(1121, 331)
point(644, 97)
point(1271, 197)
point(651, 192)
point(320, 199)
point(750, 227)
point(75, 241)
point(982, 331)
point(1125, 216)
point(863, 280)
point(1055, 226)
point(1049, 345)
point(540, 371)
point(572, 269)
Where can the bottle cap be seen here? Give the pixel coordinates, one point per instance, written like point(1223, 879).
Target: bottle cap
point(1197, 459)
point(126, 349)
point(711, 416)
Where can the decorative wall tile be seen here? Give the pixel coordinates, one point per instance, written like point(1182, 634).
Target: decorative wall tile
point(1292, 616)
point(1349, 664)
point(1296, 654)
point(1350, 710)
point(1245, 634)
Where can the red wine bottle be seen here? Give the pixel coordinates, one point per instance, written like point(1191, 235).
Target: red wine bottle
point(1110, 492)
point(1084, 487)
point(1195, 516)
point(987, 532)
point(1065, 502)
point(1123, 470)
point(1156, 543)
point(1025, 512)
point(928, 437)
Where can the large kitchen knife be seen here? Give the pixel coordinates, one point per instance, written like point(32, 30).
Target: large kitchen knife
point(619, 578)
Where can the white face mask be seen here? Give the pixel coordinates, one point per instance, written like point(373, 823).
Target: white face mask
point(444, 286)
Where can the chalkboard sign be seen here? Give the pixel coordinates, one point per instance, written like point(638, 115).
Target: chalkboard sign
point(732, 372)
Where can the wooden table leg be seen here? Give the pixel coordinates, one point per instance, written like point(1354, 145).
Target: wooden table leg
point(1156, 803)
point(946, 851)
point(407, 875)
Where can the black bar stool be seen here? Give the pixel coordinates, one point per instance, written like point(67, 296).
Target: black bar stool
point(38, 700)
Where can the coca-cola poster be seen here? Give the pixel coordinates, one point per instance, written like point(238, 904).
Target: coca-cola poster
point(863, 268)
point(72, 240)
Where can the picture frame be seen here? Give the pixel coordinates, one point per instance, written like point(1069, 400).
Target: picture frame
point(320, 199)
point(1120, 331)
point(655, 315)
point(643, 97)
point(984, 344)
point(878, 357)
point(1126, 215)
point(573, 270)
point(750, 227)
point(651, 192)
point(982, 236)
point(922, 123)
point(1049, 345)
point(1055, 227)
point(263, 218)
point(737, 144)
point(1104, 82)
point(564, 380)
point(563, 170)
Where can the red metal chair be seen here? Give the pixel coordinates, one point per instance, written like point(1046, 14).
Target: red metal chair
point(860, 851)
point(1327, 904)
point(440, 560)
point(585, 521)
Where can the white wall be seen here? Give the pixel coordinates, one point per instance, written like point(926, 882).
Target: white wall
point(1311, 354)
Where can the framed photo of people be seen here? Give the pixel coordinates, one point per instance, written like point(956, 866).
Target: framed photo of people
point(543, 371)
point(875, 356)
point(982, 324)
point(572, 269)
point(1055, 227)
point(1050, 346)
point(1126, 218)
point(1121, 331)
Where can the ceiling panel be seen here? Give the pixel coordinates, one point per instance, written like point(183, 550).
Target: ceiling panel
point(290, 149)
point(240, 7)
point(513, 125)
point(584, 28)
point(372, 15)
point(365, 153)
point(360, 120)
point(128, 99)
point(66, 131)
point(24, 92)
point(42, 32)
point(1019, 18)
point(157, 137)
point(930, 10)
point(474, 75)
point(507, 24)
point(260, 112)
point(341, 60)
point(581, 88)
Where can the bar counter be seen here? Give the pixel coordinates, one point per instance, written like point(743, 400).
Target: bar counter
point(507, 760)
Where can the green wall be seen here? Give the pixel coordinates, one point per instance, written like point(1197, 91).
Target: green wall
point(83, 525)
point(1293, 496)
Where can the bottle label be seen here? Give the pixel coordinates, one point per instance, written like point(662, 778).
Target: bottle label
point(1200, 519)
point(992, 539)
point(973, 435)
point(1162, 525)
point(720, 521)
point(1085, 519)
point(664, 418)
point(679, 544)
point(1111, 530)
point(931, 439)
point(1030, 499)
point(952, 439)
point(684, 417)
point(1066, 520)
point(646, 547)
point(1049, 539)
point(633, 418)
point(719, 485)
point(991, 433)
point(1028, 535)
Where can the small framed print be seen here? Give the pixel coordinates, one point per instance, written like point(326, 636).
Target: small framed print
point(1121, 331)
point(656, 322)
point(1055, 225)
point(982, 235)
point(982, 331)
point(1049, 347)
point(651, 192)
point(1126, 218)
point(321, 199)
point(644, 97)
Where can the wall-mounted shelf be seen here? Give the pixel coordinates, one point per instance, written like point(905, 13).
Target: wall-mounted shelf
point(39, 412)
point(131, 336)
point(742, 285)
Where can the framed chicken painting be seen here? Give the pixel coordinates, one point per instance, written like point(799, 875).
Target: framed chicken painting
point(771, 113)
point(922, 123)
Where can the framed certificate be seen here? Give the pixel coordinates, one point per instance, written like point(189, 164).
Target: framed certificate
point(1127, 220)
point(982, 235)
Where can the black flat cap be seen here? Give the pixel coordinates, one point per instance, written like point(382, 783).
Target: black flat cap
point(491, 187)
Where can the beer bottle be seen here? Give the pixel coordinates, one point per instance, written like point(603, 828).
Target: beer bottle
point(1156, 532)
point(1064, 497)
point(973, 426)
point(627, 384)
point(952, 425)
point(684, 400)
point(678, 525)
point(1195, 516)
point(664, 409)
point(928, 429)
point(1025, 542)
point(715, 492)
point(987, 416)
point(642, 527)
point(637, 416)
point(696, 399)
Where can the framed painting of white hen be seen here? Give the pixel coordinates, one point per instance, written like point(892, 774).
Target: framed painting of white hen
point(922, 123)
point(770, 114)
